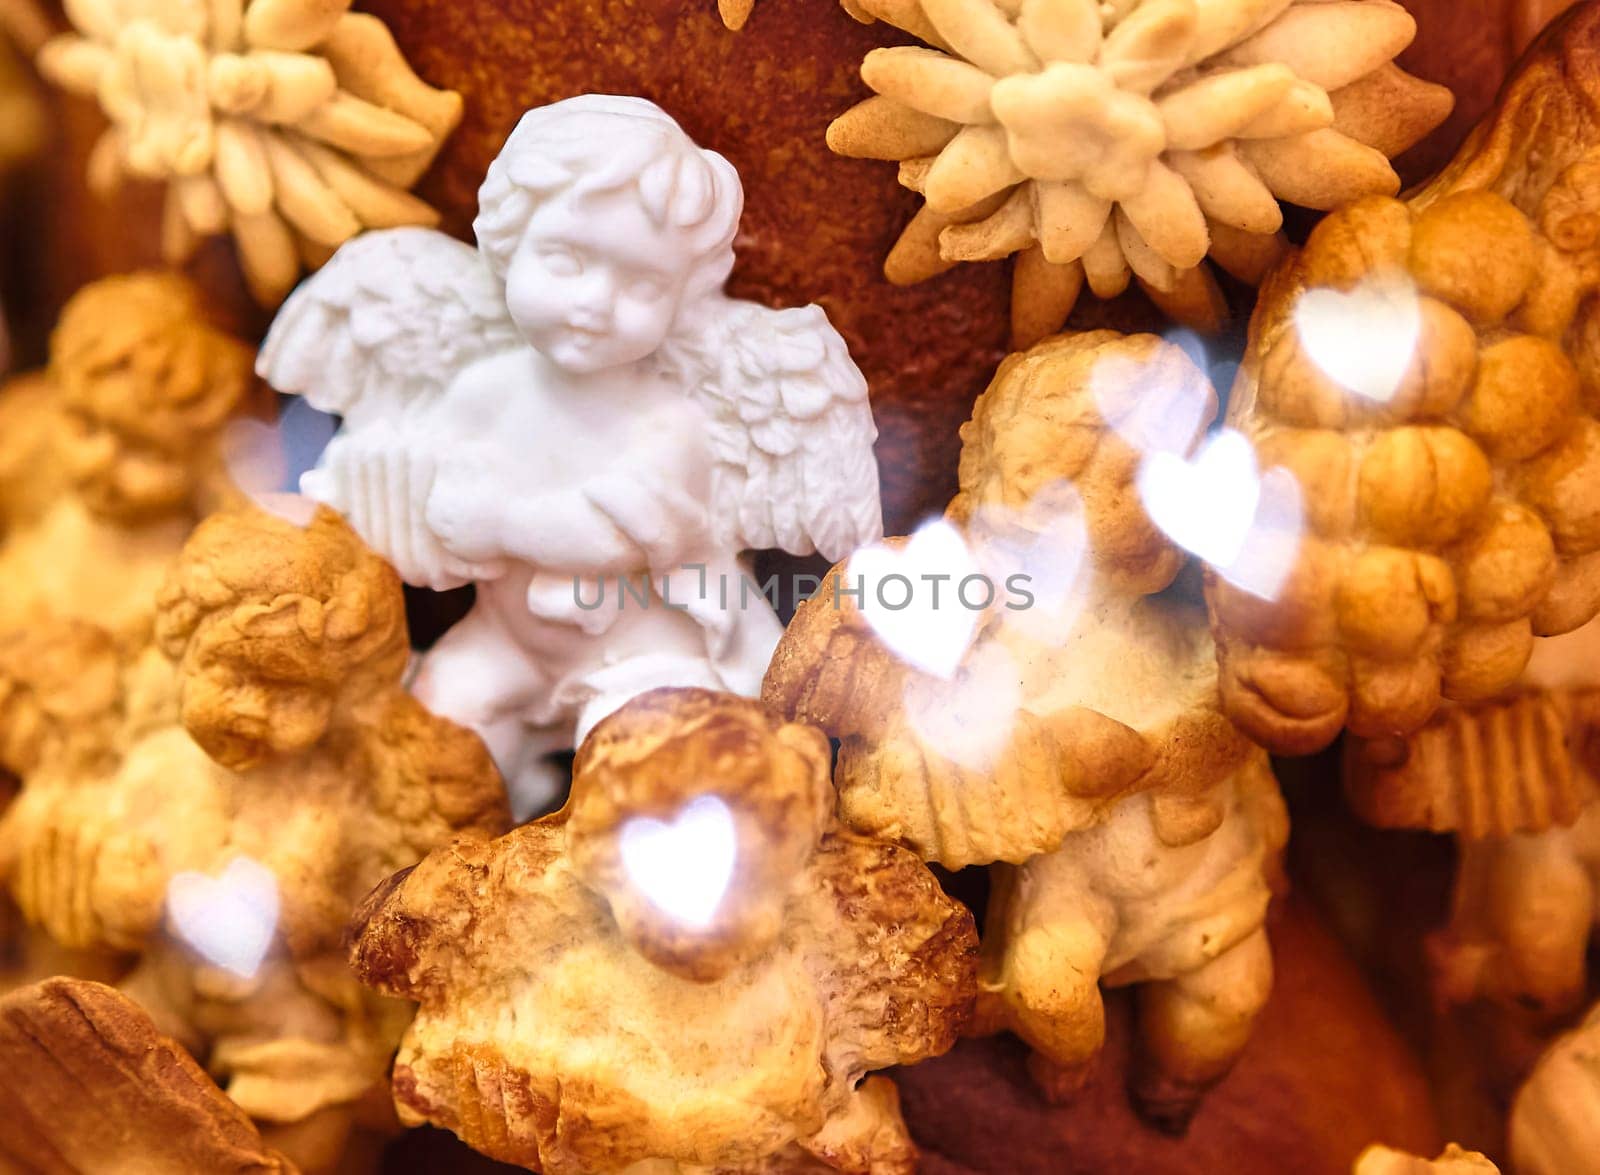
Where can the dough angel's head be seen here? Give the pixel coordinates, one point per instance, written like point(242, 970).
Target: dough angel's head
point(608, 224)
point(58, 682)
point(1063, 430)
point(275, 629)
point(146, 385)
point(695, 814)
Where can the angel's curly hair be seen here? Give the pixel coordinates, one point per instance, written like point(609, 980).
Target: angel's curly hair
point(599, 143)
point(671, 745)
point(189, 375)
point(308, 604)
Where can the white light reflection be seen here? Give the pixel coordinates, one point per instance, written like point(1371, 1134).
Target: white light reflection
point(1160, 405)
point(1364, 340)
point(683, 868)
point(1039, 557)
point(266, 460)
point(969, 720)
point(910, 597)
point(1220, 507)
point(294, 509)
point(230, 919)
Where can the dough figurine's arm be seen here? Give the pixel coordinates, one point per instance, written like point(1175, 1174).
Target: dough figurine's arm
point(1042, 967)
point(831, 670)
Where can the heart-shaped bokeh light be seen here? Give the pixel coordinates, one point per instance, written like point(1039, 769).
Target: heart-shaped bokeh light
point(1156, 407)
point(972, 718)
point(1364, 340)
point(1220, 507)
point(683, 866)
point(1037, 557)
point(911, 597)
point(266, 460)
point(229, 919)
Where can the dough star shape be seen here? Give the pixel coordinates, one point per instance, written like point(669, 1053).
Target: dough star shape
point(1103, 143)
point(291, 124)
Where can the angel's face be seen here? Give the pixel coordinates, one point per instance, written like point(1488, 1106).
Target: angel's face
point(119, 476)
point(242, 717)
point(595, 284)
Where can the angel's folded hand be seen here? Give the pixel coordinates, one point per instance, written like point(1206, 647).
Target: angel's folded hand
point(666, 522)
point(467, 518)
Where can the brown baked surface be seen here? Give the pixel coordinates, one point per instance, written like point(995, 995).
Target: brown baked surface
point(87, 1083)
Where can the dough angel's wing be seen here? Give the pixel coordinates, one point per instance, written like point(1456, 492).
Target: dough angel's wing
point(791, 434)
point(377, 336)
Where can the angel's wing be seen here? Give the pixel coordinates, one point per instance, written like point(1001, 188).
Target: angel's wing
point(377, 336)
point(791, 435)
point(391, 320)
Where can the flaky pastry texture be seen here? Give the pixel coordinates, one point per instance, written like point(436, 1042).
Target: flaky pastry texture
point(1452, 500)
point(566, 1022)
point(1118, 685)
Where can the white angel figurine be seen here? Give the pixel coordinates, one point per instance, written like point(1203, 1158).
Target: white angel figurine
point(576, 418)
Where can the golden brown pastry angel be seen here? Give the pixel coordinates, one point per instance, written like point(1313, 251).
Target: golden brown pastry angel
point(227, 845)
point(1426, 371)
point(1075, 738)
point(690, 968)
point(109, 457)
point(1515, 780)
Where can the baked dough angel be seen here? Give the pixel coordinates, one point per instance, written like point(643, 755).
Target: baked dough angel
point(690, 970)
point(224, 840)
point(1134, 829)
point(1425, 369)
point(109, 458)
point(1517, 781)
point(574, 417)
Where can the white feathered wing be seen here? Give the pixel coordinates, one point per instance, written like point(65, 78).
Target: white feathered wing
point(791, 435)
point(377, 336)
